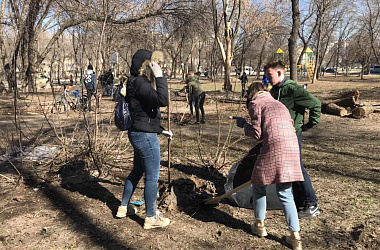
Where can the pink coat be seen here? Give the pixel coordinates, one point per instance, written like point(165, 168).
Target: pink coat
point(279, 158)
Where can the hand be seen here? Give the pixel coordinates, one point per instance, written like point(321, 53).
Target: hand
point(307, 126)
point(240, 122)
point(168, 134)
point(156, 69)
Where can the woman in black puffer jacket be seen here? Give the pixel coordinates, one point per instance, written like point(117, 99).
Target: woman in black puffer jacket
point(147, 91)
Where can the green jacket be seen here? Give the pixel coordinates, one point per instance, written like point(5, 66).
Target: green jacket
point(195, 87)
point(296, 99)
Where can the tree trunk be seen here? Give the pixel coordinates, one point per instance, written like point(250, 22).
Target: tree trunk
point(293, 39)
point(29, 37)
point(227, 65)
point(299, 62)
point(261, 58)
point(3, 53)
point(317, 51)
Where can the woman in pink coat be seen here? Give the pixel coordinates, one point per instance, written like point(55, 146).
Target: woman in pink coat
point(278, 162)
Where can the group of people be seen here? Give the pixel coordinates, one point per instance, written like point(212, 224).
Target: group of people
point(107, 83)
point(276, 119)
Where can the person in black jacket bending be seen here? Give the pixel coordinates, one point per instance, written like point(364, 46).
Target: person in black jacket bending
point(147, 91)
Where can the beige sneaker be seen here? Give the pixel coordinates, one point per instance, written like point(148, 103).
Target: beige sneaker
point(259, 231)
point(156, 221)
point(123, 211)
point(296, 244)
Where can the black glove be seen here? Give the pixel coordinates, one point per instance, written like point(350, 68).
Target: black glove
point(307, 126)
point(240, 122)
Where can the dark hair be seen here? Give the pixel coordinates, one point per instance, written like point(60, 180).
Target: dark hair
point(90, 67)
point(275, 65)
point(253, 89)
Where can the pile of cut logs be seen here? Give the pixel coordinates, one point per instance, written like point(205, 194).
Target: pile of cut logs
point(348, 104)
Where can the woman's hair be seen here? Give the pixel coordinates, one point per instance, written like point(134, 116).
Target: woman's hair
point(253, 89)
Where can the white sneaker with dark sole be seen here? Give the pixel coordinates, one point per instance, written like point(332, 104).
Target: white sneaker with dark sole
point(124, 211)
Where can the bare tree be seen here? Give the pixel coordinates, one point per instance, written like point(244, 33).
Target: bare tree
point(371, 21)
point(293, 39)
point(308, 27)
point(231, 23)
point(328, 16)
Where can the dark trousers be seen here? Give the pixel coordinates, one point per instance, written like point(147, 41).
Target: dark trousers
point(90, 93)
point(199, 101)
point(191, 103)
point(304, 194)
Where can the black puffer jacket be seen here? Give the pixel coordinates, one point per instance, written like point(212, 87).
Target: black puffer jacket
point(143, 100)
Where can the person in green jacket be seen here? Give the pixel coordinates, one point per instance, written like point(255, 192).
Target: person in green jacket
point(197, 93)
point(297, 99)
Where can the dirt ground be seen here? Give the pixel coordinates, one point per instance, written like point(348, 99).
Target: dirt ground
point(61, 203)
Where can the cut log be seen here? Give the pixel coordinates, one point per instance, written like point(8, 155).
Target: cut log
point(334, 109)
point(345, 94)
point(361, 112)
point(347, 102)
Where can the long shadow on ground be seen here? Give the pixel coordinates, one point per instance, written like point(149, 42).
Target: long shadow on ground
point(80, 221)
point(190, 202)
point(76, 179)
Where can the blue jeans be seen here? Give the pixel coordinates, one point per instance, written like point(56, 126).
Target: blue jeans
point(304, 194)
point(284, 193)
point(146, 160)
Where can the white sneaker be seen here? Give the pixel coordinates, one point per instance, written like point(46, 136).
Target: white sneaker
point(124, 211)
point(156, 221)
point(259, 231)
point(296, 244)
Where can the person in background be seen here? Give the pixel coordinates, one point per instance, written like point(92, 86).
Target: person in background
point(198, 75)
point(278, 161)
point(197, 93)
point(297, 99)
point(147, 91)
point(109, 82)
point(244, 81)
point(90, 84)
point(71, 82)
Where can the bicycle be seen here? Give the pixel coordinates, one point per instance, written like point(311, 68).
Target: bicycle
point(70, 100)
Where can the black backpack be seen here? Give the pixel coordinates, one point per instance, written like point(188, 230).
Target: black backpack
point(123, 117)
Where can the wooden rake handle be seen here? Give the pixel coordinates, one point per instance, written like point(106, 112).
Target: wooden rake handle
point(214, 200)
point(169, 140)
